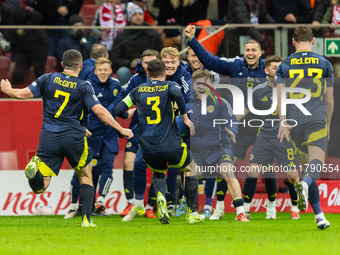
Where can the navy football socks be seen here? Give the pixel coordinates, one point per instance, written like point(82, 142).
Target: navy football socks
point(190, 191)
point(128, 184)
point(86, 199)
point(249, 188)
point(37, 183)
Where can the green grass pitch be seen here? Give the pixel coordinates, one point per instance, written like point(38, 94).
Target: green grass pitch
point(54, 235)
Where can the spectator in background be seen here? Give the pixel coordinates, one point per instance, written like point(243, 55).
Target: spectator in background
point(55, 13)
point(97, 51)
point(290, 11)
point(76, 39)
point(246, 12)
point(172, 37)
point(110, 14)
point(147, 17)
point(319, 8)
point(129, 45)
point(183, 12)
point(332, 16)
point(29, 47)
point(222, 8)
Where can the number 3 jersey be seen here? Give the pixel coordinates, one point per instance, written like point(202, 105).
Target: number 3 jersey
point(157, 129)
point(64, 97)
point(308, 70)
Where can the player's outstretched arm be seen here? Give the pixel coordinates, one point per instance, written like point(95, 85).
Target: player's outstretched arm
point(329, 98)
point(24, 93)
point(211, 62)
point(107, 118)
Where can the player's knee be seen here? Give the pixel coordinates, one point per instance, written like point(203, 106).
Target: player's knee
point(128, 164)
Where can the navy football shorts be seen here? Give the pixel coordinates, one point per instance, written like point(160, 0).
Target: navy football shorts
point(266, 149)
point(243, 141)
point(161, 161)
point(314, 132)
point(54, 147)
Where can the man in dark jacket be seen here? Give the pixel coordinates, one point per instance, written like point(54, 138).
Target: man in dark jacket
point(129, 45)
point(76, 39)
point(246, 12)
point(55, 13)
point(29, 47)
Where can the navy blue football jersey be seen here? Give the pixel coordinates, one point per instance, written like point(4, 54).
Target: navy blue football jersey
point(263, 100)
point(158, 130)
point(305, 69)
point(64, 98)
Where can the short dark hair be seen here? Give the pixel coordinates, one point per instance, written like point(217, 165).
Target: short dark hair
point(254, 42)
point(303, 34)
point(98, 51)
point(272, 58)
point(204, 73)
point(72, 59)
point(149, 53)
point(156, 67)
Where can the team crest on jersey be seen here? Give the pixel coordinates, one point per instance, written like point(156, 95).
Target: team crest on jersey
point(95, 98)
point(210, 108)
point(94, 162)
point(128, 145)
point(226, 158)
point(251, 156)
point(115, 92)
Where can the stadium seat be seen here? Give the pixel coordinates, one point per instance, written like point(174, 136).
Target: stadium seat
point(87, 12)
point(4, 64)
point(89, 2)
point(51, 64)
point(8, 160)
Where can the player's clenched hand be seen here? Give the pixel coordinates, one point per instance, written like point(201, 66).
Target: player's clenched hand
point(131, 112)
point(231, 134)
point(88, 133)
point(127, 132)
point(5, 85)
point(284, 132)
point(190, 31)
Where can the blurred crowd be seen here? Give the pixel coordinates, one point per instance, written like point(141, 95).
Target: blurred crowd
point(26, 53)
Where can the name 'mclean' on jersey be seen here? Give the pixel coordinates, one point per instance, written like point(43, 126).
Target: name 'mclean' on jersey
point(64, 97)
point(158, 130)
point(306, 69)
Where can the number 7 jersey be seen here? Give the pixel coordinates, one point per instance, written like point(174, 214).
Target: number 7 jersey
point(64, 98)
point(308, 70)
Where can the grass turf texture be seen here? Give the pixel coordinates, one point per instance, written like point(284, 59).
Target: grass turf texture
point(54, 235)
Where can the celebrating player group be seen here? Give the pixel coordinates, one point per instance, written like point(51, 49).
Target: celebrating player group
point(173, 128)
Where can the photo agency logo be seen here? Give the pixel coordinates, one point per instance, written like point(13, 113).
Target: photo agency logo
point(204, 101)
point(239, 102)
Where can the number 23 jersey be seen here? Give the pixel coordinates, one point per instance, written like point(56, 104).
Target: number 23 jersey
point(308, 70)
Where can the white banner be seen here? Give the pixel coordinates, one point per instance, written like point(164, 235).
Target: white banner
point(18, 199)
